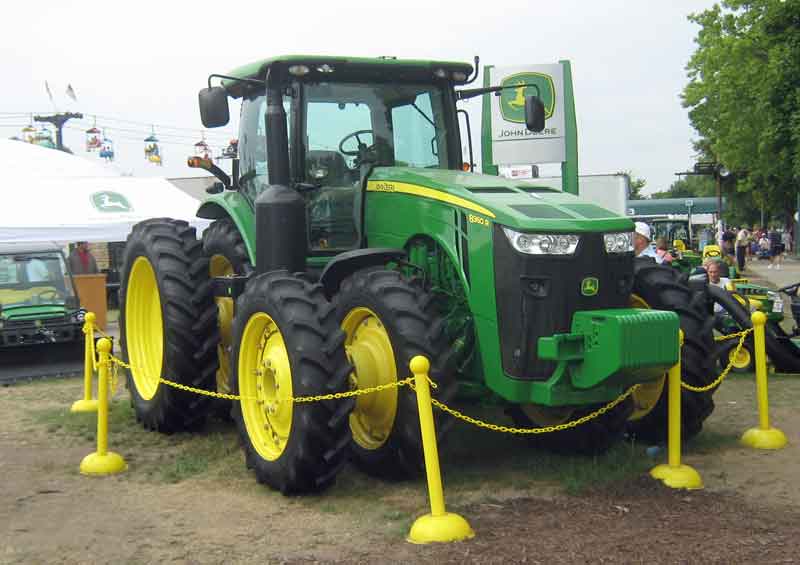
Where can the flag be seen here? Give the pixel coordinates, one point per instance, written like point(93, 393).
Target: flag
point(71, 93)
point(47, 88)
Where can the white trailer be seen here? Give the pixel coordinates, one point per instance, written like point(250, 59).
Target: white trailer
point(607, 191)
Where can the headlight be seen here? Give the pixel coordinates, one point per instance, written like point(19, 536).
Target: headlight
point(618, 242)
point(80, 316)
point(542, 244)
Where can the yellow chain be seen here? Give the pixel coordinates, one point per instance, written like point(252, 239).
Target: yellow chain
point(544, 430)
point(733, 336)
point(742, 336)
point(298, 399)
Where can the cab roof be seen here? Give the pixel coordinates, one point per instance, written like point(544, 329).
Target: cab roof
point(22, 248)
point(353, 67)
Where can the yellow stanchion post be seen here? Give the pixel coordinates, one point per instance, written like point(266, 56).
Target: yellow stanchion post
point(439, 525)
point(103, 462)
point(764, 436)
point(87, 403)
point(675, 474)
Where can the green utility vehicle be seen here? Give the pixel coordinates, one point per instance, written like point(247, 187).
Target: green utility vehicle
point(351, 237)
point(41, 321)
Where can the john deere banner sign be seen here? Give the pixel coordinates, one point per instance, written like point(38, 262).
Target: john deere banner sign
point(512, 142)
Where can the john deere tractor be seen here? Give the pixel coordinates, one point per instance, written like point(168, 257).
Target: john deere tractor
point(351, 237)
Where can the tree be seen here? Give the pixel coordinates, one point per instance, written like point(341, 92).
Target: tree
point(690, 186)
point(744, 101)
point(636, 185)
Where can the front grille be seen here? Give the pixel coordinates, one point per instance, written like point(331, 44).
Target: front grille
point(537, 295)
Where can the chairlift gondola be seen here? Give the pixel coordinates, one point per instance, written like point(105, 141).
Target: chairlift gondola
point(94, 140)
point(152, 152)
point(107, 149)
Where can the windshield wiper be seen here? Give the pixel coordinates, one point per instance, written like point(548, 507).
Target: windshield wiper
point(473, 92)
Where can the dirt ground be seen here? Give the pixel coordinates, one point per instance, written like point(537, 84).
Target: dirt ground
point(49, 513)
point(749, 511)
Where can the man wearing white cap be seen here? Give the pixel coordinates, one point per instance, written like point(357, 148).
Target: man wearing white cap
point(641, 241)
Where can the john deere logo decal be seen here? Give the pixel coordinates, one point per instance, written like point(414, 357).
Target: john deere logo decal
point(110, 201)
point(590, 286)
point(512, 100)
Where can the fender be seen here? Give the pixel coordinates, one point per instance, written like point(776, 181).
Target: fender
point(349, 262)
point(233, 205)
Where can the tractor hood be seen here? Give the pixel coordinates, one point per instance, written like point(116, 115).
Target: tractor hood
point(521, 205)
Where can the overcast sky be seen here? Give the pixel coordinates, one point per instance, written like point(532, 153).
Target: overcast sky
point(146, 64)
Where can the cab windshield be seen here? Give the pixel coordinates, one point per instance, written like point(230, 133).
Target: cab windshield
point(388, 124)
point(33, 279)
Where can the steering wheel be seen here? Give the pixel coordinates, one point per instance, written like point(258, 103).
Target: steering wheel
point(51, 293)
point(361, 145)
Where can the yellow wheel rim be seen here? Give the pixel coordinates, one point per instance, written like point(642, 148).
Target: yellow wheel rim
point(219, 266)
point(742, 360)
point(370, 350)
point(144, 328)
point(646, 396)
point(265, 382)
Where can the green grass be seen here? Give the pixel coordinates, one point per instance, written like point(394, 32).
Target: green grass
point(173, 458)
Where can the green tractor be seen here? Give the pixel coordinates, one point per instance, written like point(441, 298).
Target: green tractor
point(351, 237)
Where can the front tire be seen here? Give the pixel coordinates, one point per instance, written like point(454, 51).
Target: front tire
point(387, 321)
point(660, 288)
point(168, 324)
point(287, 343)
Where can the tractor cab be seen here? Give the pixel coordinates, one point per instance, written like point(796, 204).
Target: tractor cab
point(321, 125)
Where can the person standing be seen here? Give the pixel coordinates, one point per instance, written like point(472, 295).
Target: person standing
point(742, 241)
point(786, 240)
point(775, 249)
point(81, 260)
point(641, 241)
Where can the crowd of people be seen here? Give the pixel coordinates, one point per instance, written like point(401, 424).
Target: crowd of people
point(740, 243)
point(759, 243)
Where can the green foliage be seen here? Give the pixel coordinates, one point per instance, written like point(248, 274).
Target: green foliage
point(744, 101)
point(688, 187)
point(637, 184)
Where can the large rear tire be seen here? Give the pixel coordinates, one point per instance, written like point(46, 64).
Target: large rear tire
point(660, 287)
point(287, 343)
point(388, 320)
point(227, 256)
point(168, 324)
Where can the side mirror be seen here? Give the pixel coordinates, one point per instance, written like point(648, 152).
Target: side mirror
point(534, 113)
point(214, 107)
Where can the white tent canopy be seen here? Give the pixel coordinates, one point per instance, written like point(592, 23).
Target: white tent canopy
point(49, 195)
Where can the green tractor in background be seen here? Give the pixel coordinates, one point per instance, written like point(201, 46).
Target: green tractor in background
point(349, 238)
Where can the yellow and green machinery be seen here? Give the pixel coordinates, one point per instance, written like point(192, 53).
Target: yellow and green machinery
point(350, 237)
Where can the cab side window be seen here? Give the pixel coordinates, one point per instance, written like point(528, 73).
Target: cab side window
point(253, 147)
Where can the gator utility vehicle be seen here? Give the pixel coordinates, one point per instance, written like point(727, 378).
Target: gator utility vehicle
point(40, 319)
point(348, 239)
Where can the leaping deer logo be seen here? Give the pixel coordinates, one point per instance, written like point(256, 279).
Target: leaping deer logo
point(110, 201)
point(519, 98)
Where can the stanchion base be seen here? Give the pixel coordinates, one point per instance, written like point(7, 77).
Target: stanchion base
point(108, 464)
point(681, 476)
point(84, 406)
point(444, 528)
point(771, 438)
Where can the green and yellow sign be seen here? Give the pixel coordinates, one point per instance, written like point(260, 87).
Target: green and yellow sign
point(521, 85)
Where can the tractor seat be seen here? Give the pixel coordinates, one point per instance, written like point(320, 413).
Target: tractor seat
point(327, 168)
